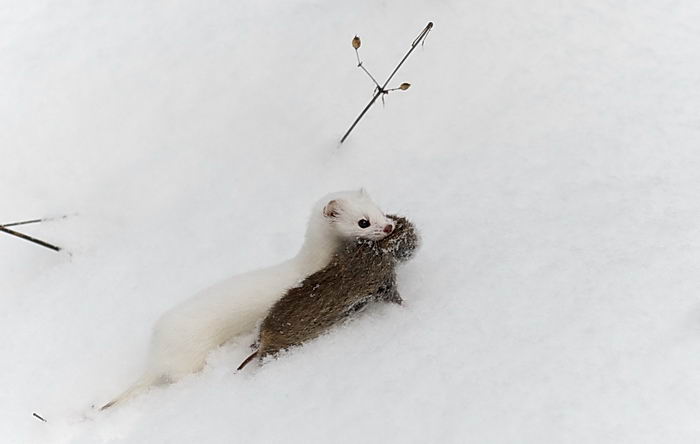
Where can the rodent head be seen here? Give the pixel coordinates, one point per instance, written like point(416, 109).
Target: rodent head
point(353, 214)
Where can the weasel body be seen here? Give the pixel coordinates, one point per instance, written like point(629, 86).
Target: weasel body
point(184, 335)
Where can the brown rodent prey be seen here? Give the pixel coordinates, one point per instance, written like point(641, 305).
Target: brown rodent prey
point(361, 271)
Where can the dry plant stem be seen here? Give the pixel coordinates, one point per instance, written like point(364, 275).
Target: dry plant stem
point(360, 65)
point(382, 90)
point(34, 221)
point(29, 238)
point(24, 222)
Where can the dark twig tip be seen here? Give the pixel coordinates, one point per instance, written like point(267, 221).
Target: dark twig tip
point(39, 417)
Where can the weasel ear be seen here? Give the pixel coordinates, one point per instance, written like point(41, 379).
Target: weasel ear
point(332, 209)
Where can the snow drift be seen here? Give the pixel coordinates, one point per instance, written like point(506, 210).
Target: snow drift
point(547, 151)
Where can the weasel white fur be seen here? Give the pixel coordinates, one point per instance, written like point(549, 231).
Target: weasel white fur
point(184, 335)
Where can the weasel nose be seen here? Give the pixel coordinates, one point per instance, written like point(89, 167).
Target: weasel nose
point(388, 229)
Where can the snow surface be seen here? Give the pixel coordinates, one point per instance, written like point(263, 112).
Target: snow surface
point(548, 150)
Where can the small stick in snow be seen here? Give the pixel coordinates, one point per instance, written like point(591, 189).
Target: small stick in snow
point(380, 91)
point(24, 222)
point(35, 221)
point(38, 417)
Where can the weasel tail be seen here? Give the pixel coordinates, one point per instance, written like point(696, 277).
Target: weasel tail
point(139, 386)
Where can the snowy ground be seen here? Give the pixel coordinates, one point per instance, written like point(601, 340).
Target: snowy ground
point(549, 151)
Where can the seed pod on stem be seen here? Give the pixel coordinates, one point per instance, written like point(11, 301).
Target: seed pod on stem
point(380, 90)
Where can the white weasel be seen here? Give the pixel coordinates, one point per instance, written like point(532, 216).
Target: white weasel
point(184, 335)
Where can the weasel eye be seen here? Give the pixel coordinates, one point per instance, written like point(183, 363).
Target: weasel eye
point(363, 223)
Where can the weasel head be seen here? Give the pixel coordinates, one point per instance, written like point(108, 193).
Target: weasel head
point(353, 214)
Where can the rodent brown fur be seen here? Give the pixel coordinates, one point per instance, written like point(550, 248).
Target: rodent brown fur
point(361, 271)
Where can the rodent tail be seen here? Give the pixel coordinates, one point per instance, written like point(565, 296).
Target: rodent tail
point(247, 360)
point(138, 387)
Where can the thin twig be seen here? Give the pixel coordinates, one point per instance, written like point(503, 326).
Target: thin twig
point(24, 222)
point(29, 238)
point(34, 221)
point(361, 65)
point(370, 75)
point(38, 417)
point(415, 43)
point(382, 89)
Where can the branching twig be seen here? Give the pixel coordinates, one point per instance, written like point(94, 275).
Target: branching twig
point(381, 90)
point(4, 229)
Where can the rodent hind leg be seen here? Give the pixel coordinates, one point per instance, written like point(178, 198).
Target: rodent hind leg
point(393, 296)
point(356, 308)
point(389, 292)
